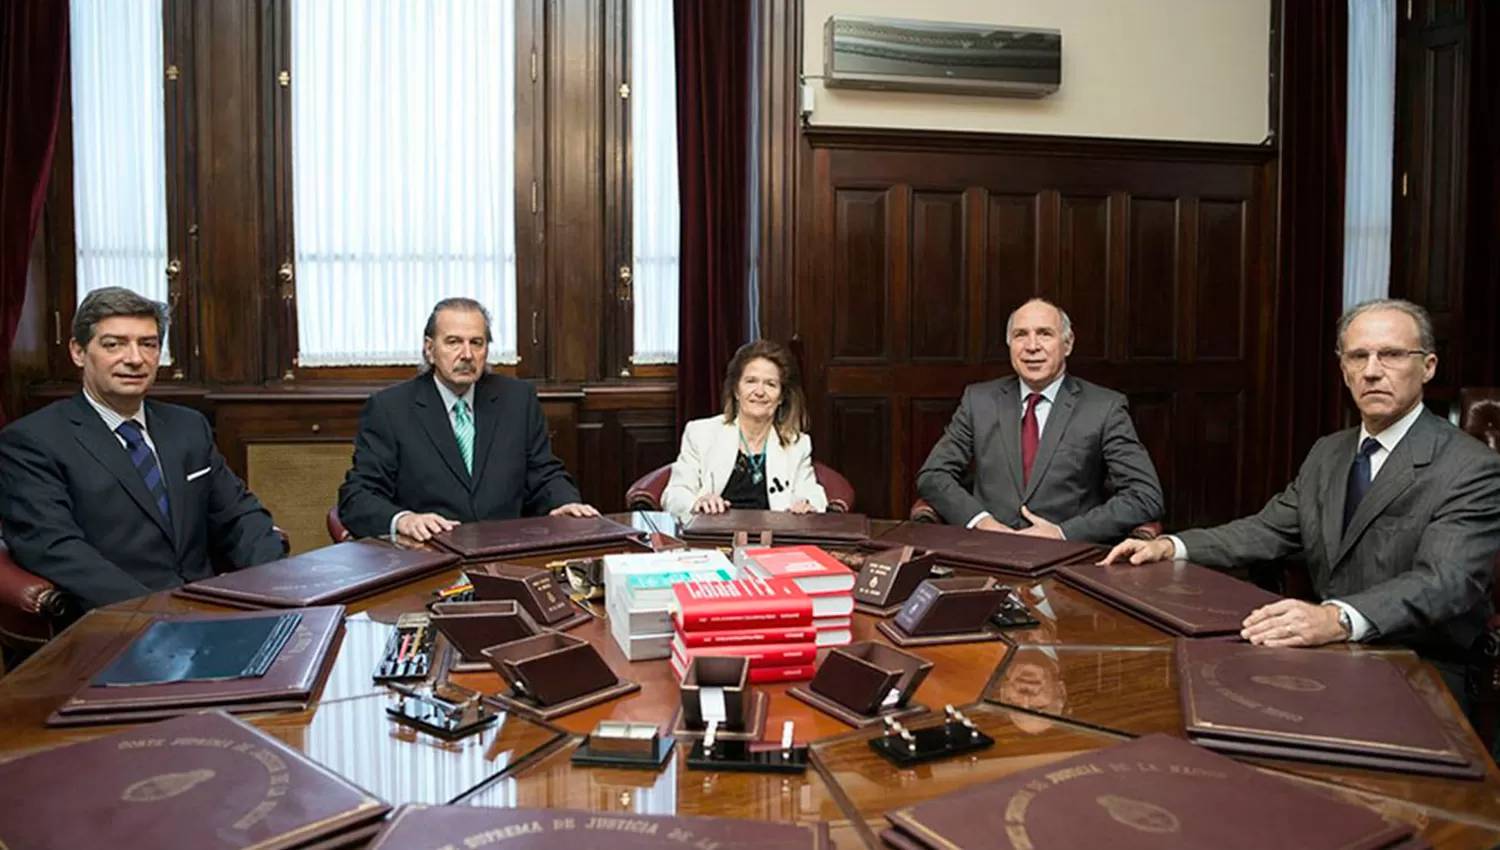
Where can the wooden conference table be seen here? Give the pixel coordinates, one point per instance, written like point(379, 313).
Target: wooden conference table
point(1088, 677)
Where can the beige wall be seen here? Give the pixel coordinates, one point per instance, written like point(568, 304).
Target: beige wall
point(1158, 69)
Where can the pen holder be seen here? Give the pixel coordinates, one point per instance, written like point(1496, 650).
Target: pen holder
point(865, 682)
point(535, 589)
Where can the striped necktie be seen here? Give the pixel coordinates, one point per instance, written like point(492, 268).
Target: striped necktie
point(463, 429)
point(145, 463)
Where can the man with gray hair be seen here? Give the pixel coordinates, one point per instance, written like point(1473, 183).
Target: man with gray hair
point(1397, 519)
point(453, 444)
point(110, 495)
point(1052, 455)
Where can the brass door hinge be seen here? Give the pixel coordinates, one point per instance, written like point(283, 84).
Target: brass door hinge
point(624, 91)
point(626, 275)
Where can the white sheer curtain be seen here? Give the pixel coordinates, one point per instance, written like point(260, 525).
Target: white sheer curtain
point(403, 172)
point(119, 146)
point(1370, 134)
point(654, 208)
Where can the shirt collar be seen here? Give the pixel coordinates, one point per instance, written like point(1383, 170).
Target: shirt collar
point(1391, 437)
point(1049, 392)
point(449, 399)
point(112, 419)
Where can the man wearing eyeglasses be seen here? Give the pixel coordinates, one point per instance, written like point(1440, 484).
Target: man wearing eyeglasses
point(1398, 519)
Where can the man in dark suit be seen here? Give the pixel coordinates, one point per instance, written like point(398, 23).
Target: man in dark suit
point(110, 496)
point(1398, 519)
point(1052, 455)
point(453, 444)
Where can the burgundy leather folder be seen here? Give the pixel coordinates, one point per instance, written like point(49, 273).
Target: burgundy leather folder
point(786, 528)
point(1316, 703)
point(1013, 554)
point(201, 780)
point(342, 572)
point(291, 682)
point(1175, 596)
point(1153, 793)
point(429, 827)
point(533, 536)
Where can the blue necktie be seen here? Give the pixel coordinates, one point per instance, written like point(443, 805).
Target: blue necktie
point(1359, 478)
point(145, 463)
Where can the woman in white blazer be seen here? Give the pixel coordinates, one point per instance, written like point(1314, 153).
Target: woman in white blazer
point(757, 454)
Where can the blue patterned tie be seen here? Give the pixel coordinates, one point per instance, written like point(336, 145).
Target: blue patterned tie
point(1359, 478)
point(145, 463)
point(463, 429)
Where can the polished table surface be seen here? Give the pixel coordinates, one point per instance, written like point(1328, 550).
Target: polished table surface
point(1087, 677)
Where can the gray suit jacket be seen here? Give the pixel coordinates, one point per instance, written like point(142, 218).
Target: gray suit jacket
point(1091, 474)
point(1417, 558)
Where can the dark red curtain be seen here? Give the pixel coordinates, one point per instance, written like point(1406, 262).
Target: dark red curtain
point(1306, 394)
point(33, 65)
point(1481, 360)
point(713, 130)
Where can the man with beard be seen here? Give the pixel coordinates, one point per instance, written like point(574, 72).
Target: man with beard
point(453, 444)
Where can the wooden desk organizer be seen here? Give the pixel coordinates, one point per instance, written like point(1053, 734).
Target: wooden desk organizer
point(551, 674)
point(618, 743)
point(535, 588)
point(854, 683)
point(470, 627)
point(744, 708)
point(948, 610)
point(888, 578)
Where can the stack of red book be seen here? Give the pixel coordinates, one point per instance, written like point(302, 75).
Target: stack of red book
point(829, 582)
point(774, 623)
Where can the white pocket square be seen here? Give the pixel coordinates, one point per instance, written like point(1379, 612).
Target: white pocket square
point(194, 476)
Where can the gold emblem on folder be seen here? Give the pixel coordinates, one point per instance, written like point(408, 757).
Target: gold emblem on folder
point(1299, 684)
point(1138, 814)
point(1178, 589)
point(165, 786)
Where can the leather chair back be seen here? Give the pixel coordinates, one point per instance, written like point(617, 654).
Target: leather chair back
point(1479, 414)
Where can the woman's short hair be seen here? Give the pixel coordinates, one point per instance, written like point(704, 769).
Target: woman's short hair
point(791, 414)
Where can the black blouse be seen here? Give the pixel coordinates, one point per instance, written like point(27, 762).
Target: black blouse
point(741, 491)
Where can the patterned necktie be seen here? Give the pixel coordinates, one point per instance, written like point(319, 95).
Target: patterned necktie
point(145, 463)
point(463, 429)
point(1031, 436)
point(1359, 478)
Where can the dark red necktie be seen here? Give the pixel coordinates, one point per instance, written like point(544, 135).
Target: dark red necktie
point(1031, 436)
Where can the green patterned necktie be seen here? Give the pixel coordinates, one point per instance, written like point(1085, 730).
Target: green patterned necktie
point(463, 429)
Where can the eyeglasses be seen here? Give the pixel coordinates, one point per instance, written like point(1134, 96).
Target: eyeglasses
point(1388, 357)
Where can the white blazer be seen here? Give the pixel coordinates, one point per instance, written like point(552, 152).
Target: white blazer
point(703, 466)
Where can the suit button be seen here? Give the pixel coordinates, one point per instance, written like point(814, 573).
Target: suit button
point(316, 427)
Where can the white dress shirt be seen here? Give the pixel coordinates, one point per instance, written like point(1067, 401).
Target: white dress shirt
point(450, 401)
point(1043, 407)
point(1388, 440)
point(113, 420)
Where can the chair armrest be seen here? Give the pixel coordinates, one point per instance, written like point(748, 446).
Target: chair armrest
point(836, 487)
point(921, 511)
point(645, 493)
point(1482, 681)
point(28, 605)
point(336, 530)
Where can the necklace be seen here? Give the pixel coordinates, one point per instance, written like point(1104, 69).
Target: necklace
point(757, 459)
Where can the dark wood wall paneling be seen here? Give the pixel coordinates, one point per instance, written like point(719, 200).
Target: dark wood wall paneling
point(1431, 238)
point(916, 247)
point(233, 295)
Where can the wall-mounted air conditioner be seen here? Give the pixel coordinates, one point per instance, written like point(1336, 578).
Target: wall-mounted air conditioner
point(896, 55)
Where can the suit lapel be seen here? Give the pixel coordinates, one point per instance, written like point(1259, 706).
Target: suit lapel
point(1336, 492)
point(1057, 422)
point(439, 428)
point(1008, 430)
point(720, 457)
point(97, 440)
point(486, 423)
point(172, 455)
point(1398, 472)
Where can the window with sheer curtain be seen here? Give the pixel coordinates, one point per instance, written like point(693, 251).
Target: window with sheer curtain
point(119, 147)
point(403, 172)
point(654, 210)
point(1370, 130)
